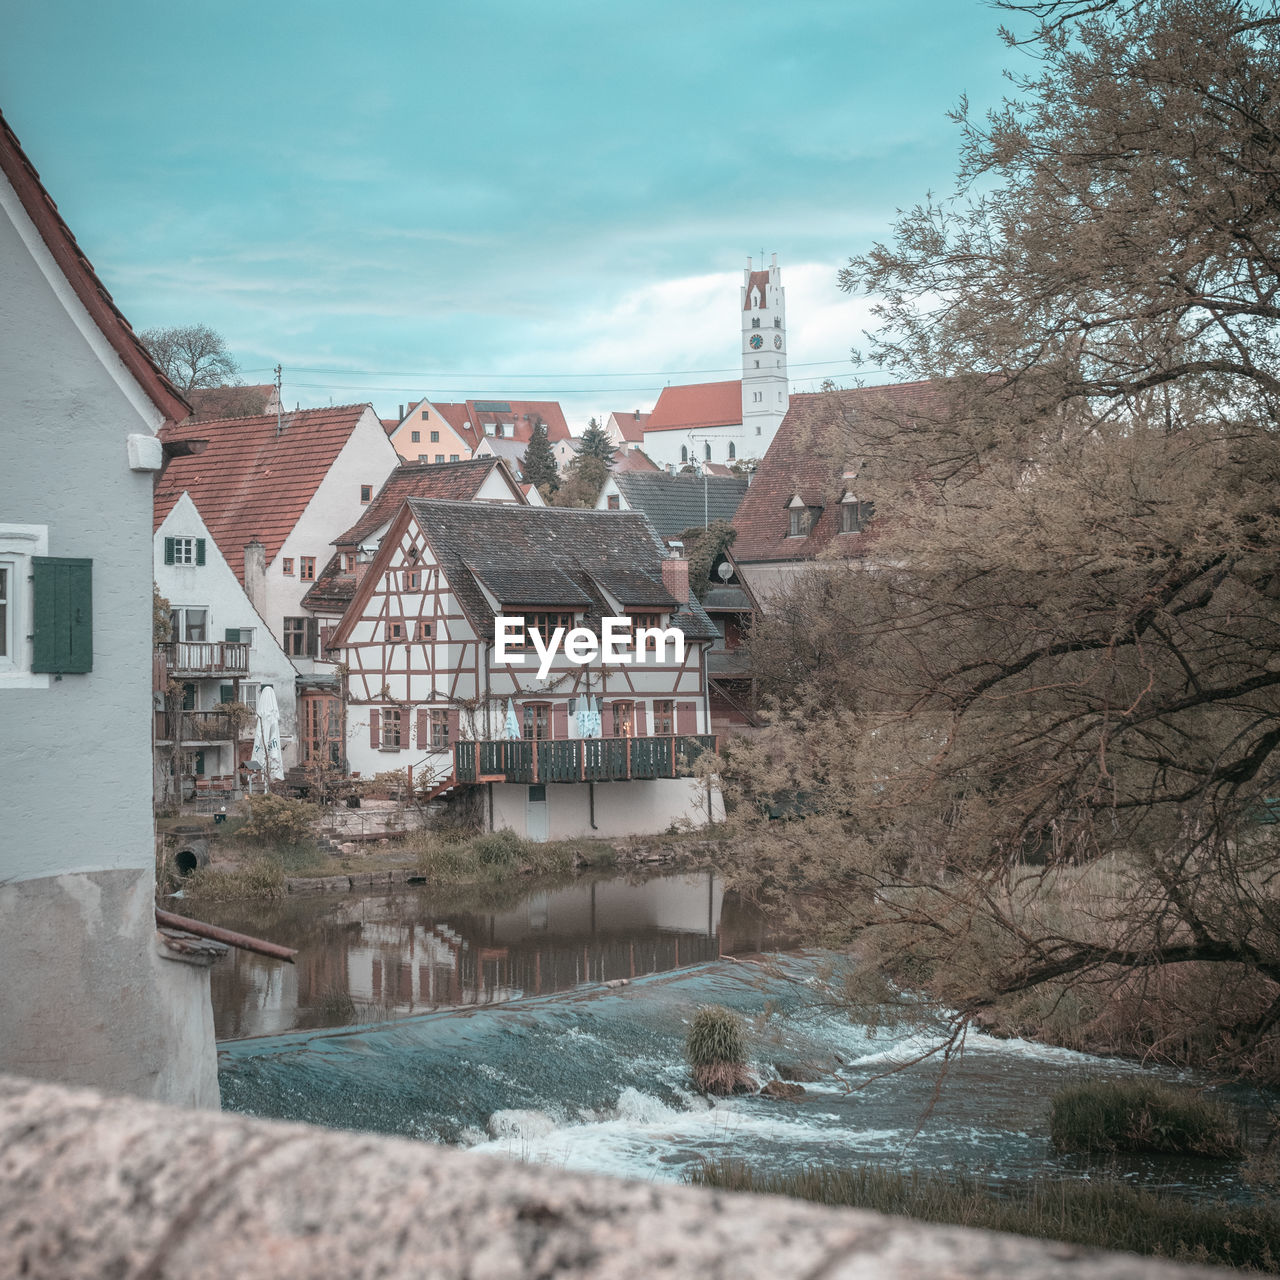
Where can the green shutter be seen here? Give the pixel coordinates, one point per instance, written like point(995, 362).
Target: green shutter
point(226, 693)
point(63, 624)
point(199, 551)
point(233, 635)
point(199, 764)
point(168, 551)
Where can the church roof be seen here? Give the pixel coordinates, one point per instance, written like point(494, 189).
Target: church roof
point(756, 280)
point(698, 404)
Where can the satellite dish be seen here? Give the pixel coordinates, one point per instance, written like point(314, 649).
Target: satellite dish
point(724, 571)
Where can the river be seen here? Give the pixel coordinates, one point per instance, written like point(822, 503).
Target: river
point(549, 1026)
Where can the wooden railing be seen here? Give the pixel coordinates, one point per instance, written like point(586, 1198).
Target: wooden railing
point(195, 726)
point(206, 657)
point(579, 759)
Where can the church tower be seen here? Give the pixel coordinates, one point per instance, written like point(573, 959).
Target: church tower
point(765, 392)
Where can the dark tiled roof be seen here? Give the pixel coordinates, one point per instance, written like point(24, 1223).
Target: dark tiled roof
point(518, 546)
point(702, 404)
point(456, 481)
point(520, 584)
point(814, 447)
point(82, 278)
point(675, 503)
point(251, 482)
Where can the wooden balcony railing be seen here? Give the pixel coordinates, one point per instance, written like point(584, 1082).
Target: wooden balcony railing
point(580, 759)
point(206, 657)
point(195, 726)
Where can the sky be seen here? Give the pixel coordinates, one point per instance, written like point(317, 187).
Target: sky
point(492, 199)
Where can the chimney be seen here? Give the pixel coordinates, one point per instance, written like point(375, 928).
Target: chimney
point(675, 577)
point(255, 574)
point(637, 415)
point(402, 413)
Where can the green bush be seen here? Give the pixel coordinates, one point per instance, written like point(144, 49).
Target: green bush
point(498, 849)
point(1102, 1213)
point(716, 1047)
point(1142, 1115)
point(277, 820)
point(255, 878)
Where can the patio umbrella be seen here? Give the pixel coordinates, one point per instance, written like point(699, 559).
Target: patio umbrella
point(266, 736)
point(586, 718)
point(512, 727)
point(597, 719)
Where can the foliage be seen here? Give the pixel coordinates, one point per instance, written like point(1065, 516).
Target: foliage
point(595, 444)
point(260, 877)
point(538, 466)
point(1142, 1115)
point(192, 356)
point(716, 1048)
point(277, 820)
point(584, 478)
point(457, 856)
point(703, 547)
point(1103, 1213)
point(161, 619)
point(1035, 729)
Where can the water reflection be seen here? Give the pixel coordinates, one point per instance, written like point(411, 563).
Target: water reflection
point(367, 957)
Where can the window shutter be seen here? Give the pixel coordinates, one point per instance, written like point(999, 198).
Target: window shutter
point(424, 730)
point(199, 764)
point(313, 637)
point(168, 551)
point(606, 719)
point(375, 729)
point(199, 551)
point(686, 718)
point(454, 727)
point(63, 621)
point(226, 693)
point(233, 635)
point(641, 730)
point(559, 720)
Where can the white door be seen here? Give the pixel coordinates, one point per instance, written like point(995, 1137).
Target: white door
point(535, 822)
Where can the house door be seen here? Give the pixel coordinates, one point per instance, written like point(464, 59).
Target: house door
point(535, 821)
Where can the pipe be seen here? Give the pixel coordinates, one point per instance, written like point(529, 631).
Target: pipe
point(591, 809)
point(232, 939)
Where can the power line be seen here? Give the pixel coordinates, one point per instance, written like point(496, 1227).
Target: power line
point(498, 377)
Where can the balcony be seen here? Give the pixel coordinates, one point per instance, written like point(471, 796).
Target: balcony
point(205, 657)
point(215, 725)
point(579, 759)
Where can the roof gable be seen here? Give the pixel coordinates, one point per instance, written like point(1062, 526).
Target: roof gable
point(699, 404)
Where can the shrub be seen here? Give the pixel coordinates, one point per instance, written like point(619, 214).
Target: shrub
point(498, 849)
point(256, 878)
point(1142, 1115)
point(277, 820)
point(717, 1050)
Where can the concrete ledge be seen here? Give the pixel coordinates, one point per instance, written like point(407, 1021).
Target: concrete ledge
point(93, 1186)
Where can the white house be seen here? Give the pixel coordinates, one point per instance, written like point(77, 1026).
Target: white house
point(220, 652)
point(93, 994)
point(733, 421)
point(426, 687)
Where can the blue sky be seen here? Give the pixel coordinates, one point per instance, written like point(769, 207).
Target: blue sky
point(548, 200)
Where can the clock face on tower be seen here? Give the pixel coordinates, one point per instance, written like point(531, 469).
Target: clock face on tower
point(777, 341)
point(756, 342)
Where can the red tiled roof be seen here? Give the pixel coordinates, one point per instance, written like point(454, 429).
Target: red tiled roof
point(813, 447)
point(456, 481)
point(82, 278)
point(632, 425)
point(252, 483)
point(700, 404)
point(470, 417)
point(758, 280)
point(632, 460)
point(456, 416)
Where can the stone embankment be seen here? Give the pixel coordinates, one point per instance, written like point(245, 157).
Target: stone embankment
point(93, 1186)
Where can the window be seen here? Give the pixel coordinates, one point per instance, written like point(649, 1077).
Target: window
point(684, 453)
point(415, 437)
point(615, 502)
point(546, 623)
point(19, 543)
point(6, 638)
point(184, 551)
point(624, 719)
point(537, 721)
point(757, 396)
point(239, 635)
point(664, 719)
point(755, 323)
point(366, 492)
point(189, 625)
point(453, 457)
point(413, 580)
point(733, 453)
point(757, 431)
point(424, 631)
point(854, 515)
point(426, 413)
point(307, 569)
point(391, 729)
point(649, 621)
point(249, 694)
point(799, 523)
point(286, 566)
point(439, 457)
point(777, 322)
point(301, 637)
point(499, 430)
point(395, 630)
point(435, 437)
point(424, 457)
point(708, 447)
point(438, 726)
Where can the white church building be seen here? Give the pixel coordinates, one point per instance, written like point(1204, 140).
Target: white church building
point(732, 421)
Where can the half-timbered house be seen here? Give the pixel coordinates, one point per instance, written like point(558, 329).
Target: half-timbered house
point(591, 748)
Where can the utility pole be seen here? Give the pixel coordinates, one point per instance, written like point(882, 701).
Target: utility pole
point(279, 404)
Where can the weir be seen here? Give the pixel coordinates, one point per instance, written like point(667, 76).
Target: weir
point(93, 1186)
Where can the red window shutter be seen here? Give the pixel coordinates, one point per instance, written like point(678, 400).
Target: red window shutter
point(606, 717)
point(686, 718)
point(454, 727)
point(642, 730)
point(375, 729)
point(424, 730)
point(559, 720)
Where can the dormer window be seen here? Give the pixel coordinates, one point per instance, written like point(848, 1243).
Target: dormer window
point(801, 517)
point(854, 515)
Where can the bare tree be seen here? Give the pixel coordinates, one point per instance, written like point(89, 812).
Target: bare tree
point(192, 356)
